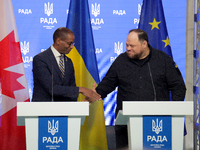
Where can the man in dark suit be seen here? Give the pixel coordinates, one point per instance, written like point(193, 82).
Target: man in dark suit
point(53, 72)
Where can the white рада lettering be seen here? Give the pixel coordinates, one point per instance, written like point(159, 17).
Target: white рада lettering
point(54, 140)
point(27, 59)
point(24, 11)
point(97, 21)
point(98, 50)
point(119, 12)
point(158, 139)
point(48, 20)
point(112, 59)
point(136, 21)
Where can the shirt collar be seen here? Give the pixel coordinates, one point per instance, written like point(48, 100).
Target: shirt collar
point(55, 52)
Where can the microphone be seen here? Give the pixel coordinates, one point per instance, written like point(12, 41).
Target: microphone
point(154, 90)
point(52, 85)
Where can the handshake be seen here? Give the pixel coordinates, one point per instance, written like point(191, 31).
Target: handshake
point(90, 95)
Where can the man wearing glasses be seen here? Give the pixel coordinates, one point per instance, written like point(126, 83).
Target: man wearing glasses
point(53, 71)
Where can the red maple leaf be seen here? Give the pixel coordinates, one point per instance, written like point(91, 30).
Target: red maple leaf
point(10, 55)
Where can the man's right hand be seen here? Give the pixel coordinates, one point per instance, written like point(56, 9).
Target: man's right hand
point(91, 95)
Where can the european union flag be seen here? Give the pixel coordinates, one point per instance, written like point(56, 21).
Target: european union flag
point(152, 21)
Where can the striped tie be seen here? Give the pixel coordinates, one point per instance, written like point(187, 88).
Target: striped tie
point(61, 65)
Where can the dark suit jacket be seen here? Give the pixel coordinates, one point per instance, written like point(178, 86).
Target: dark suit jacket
point(64, 89)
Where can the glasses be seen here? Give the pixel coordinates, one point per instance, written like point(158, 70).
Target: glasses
point(70, 44)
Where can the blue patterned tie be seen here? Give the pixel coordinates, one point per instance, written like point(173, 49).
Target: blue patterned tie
point(61, 65)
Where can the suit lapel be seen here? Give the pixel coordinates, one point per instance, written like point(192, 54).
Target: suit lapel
point(54, 63)
point(66, 66)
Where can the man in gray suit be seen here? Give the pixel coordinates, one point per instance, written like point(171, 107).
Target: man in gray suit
point(53, 71)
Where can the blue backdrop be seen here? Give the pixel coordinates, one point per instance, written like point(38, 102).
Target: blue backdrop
point(111, 21)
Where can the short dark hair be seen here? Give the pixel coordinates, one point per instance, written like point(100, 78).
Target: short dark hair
point(142, 35)
point(61, 33)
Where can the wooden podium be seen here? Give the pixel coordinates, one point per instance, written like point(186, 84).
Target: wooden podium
point(132, 116)
point(29, 112)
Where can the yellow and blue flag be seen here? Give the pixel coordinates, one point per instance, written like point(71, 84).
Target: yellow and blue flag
point(152, 21)
point(93, 132)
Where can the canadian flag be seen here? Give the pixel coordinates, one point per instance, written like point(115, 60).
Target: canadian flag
point(13, 84)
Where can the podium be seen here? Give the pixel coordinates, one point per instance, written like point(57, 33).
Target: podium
point(28, 114)
point(133, 114)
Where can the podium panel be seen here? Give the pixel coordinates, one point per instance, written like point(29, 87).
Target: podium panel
point(133, 116)
point(29, 113)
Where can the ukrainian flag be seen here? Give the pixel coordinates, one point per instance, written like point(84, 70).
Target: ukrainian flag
point(93, 132)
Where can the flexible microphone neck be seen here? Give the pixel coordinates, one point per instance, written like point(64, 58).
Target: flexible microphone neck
point(52, 85)
point(154, 90)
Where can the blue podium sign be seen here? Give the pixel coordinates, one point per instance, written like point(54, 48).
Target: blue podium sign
point(53, 133)
point(157, 133)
